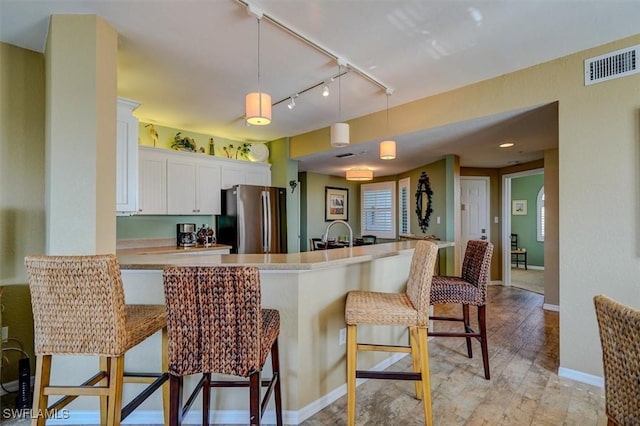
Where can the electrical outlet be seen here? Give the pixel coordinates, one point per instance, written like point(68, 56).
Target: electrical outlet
point(343, 336)
point(5, 334)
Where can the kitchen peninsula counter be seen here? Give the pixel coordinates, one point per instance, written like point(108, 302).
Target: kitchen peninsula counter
point(309, 290)
point(311, 260)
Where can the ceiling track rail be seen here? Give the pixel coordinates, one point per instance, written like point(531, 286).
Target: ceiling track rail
point(252, 9)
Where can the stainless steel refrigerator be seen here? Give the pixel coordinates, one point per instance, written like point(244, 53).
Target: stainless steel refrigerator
point(254, 219)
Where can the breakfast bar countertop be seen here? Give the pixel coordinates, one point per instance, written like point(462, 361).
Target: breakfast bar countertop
point(311, 260)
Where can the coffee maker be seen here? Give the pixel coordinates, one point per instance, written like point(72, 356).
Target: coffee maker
point(186, 234)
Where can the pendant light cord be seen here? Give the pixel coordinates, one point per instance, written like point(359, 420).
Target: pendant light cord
point(387, 113)
point(259, 86)
point(339, 93)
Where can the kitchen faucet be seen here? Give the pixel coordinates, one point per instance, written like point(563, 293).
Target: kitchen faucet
point(325, 237)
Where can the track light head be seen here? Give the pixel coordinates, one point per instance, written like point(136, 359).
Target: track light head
point(292, 103)
point(325, 91)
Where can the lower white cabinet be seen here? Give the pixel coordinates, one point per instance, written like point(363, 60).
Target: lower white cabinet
point(181, 183)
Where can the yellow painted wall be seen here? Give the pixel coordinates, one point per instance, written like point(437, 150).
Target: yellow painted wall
point(597, 174)
point(22, 223)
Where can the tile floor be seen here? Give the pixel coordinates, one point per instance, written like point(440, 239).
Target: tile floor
point(524, 388)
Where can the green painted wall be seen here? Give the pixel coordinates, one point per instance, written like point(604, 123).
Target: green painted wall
point(437, 179)
point(165, 136)
point(441, 186)
point(160, 226)
point(312, 197)
point(283, 171)
point(527, 188)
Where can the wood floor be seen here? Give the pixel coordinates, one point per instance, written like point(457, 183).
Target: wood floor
point(524, 388)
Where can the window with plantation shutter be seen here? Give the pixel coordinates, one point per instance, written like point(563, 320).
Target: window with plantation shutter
point(403, 206)
point(377, 204)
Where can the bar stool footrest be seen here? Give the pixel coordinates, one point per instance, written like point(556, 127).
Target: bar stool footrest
point(392, 375)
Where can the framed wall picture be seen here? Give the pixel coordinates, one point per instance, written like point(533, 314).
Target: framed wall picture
point(519, 207)
point(336, 203)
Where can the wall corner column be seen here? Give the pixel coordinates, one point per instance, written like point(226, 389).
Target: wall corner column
point(80, 134)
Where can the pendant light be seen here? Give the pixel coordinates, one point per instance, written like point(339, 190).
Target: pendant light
point(339, 131)
point(388, 147)
point(258, 104)
point(359, 174)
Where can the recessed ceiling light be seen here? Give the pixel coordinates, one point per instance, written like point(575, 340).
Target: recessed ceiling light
point(507, 145)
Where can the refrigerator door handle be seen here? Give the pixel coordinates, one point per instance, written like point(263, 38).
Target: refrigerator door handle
point(263, 227)
point(268, 221)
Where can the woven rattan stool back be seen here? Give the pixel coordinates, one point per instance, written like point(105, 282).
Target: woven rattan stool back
point(214, 320)
point(420, 275)
point(476, 266)
point(78, 305)
point(619, 326)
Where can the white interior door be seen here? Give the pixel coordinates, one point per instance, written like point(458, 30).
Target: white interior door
point(474, 200)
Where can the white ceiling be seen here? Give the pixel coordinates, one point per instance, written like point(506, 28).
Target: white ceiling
point(190, 64)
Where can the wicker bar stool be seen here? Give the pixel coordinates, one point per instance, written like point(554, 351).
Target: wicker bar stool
point(409, 309)
point(78, 309)
point(216, 325)
point(619, 327)
point(468, 289)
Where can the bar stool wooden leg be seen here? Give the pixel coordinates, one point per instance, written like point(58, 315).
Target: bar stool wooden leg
point(482, 324)
point(254, 398)
point(426, 377)
point(175, 403)
point(352, 353)
point(206, 397)
point(105, 365)
point(165, 368)
point(275, 367)
point(116, 378)
point(43, 376)
point(415, 357)
point(467, 328)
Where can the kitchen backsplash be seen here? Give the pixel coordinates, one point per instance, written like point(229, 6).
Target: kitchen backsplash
point(134, 227)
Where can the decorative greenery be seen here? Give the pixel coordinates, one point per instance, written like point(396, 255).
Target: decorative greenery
point(184, 143)
point(233, 152)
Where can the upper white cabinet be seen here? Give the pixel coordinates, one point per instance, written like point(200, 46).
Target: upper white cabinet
point(245, 173)
point(193, 186)
point(183, 183)
point(126, 158)
point(153, 181)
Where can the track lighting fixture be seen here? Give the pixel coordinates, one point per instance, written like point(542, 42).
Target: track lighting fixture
point(325, 91)
point(292, 103)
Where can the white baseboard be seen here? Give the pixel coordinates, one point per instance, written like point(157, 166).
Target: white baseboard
point(550, 307)
point(534, 267)
point(579, 376)
point(155, 417)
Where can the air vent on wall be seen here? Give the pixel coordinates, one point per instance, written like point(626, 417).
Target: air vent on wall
point(612, 65)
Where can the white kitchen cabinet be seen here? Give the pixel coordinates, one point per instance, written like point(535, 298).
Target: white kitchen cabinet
point(126, 157)
point(245, 173)
point(184, 183)
point(152, 189)
point(193, 186)
point(208, 187)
